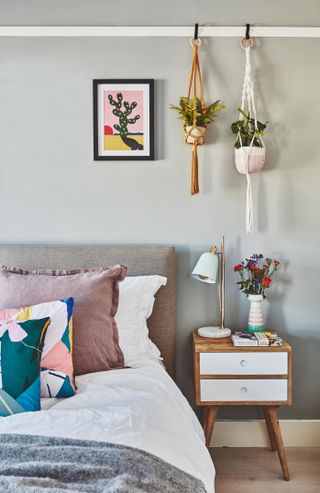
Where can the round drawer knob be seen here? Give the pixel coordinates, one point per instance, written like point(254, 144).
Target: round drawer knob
point(243, 362)
point(244, 390)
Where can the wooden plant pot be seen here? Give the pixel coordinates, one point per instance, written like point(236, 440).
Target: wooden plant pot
point(249, 159)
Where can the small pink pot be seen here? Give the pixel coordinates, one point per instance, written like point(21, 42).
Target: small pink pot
point(249, 159)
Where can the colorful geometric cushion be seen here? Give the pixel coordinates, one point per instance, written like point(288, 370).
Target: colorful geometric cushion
point(21, 344)
point(57, 378)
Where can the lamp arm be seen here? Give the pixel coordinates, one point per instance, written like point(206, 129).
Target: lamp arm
point(222, 283)
point(222, 271)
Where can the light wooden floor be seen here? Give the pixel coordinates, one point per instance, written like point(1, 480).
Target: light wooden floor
point(257, 470)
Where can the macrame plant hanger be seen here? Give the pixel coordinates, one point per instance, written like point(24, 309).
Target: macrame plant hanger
point(194, 134)
point(249, 163)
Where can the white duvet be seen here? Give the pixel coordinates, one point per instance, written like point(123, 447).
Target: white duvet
point(140, 407)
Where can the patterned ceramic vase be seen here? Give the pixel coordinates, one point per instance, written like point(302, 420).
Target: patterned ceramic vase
point(255, 323)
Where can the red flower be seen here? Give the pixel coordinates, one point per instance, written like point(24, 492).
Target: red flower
point(277, 262)
point(256, 270)
point(266, 282)
point(238, 267)
point(265, 266)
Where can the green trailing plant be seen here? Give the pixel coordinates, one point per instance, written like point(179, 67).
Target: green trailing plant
point(191, 111)
point(246, 128)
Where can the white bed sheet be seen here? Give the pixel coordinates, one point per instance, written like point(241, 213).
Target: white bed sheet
point(140, 407)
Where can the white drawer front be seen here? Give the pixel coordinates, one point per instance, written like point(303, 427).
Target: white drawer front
point(244, 363)
point(243, 390)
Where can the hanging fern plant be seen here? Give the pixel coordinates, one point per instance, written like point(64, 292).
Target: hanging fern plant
point(191, 111)
point(194, 112)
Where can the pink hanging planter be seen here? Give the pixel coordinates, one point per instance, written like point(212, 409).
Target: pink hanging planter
point(249, 160)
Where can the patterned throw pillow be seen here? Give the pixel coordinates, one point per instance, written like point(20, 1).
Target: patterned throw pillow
point(57, 378)
point(21, 344)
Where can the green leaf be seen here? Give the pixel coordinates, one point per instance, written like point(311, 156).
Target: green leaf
point(191, 110)
point(247, 130)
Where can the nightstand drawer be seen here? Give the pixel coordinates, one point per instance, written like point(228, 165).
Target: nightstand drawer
point(240, 390)
point(244, 363)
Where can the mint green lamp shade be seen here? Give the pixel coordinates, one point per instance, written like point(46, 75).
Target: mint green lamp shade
point(207, 268)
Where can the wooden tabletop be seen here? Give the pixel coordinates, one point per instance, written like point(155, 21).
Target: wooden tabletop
point(206, 344)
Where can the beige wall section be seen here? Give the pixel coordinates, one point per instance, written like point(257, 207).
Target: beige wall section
point(53, 192)
point(295, 433)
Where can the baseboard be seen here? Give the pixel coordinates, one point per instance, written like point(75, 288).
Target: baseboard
point(295, 433)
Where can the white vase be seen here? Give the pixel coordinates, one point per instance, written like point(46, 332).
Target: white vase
point(252, 159)
point(255, 323)
point(193, 134)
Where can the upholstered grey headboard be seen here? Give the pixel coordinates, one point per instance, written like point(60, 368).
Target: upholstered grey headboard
point(141, 260)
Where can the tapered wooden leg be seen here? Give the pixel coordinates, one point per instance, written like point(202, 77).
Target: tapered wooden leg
point(270, 431)
point(208, 419)
point(204, 416)
point(274, 423)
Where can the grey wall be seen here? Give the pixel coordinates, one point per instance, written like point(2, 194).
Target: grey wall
point(51, 191)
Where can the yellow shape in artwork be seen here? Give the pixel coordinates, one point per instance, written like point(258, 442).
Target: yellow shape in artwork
point(115, 143)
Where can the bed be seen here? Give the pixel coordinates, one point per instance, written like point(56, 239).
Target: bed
point(133, 408)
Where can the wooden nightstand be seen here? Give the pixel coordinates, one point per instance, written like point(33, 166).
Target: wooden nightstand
point(225, 375)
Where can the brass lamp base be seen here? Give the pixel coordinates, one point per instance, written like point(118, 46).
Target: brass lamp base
point(214, 332)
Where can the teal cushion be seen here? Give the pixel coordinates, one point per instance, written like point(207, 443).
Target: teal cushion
point(21, 345)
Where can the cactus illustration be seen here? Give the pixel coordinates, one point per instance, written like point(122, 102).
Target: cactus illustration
point(123, 110)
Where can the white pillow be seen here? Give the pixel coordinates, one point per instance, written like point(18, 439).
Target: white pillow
point(136, 300)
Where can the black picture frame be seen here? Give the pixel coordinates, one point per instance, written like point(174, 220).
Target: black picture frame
point(100, 154)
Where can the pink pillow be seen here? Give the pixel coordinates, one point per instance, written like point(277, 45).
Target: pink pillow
point(95, 292)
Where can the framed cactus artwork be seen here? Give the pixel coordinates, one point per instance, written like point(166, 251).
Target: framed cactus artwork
point(123, 112)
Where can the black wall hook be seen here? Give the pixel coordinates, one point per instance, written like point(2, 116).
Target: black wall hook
point(247, 31)
point(196, 28)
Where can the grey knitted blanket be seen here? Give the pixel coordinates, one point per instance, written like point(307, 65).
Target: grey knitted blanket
point(34, 464)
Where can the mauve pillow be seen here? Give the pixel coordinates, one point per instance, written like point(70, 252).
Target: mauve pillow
point(96, 294)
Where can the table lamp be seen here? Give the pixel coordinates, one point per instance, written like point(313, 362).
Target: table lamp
point(206, 270)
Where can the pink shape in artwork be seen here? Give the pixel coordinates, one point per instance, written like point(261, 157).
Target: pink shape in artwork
point(129, 96)
point(60, 359)
point(16, 333)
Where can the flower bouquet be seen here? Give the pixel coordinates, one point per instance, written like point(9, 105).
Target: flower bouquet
point(255, 277)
